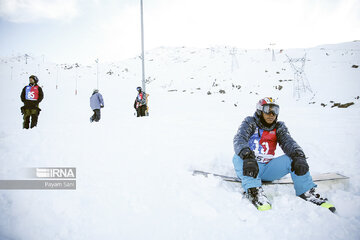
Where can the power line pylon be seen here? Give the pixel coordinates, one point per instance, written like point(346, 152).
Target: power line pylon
point(301, 83)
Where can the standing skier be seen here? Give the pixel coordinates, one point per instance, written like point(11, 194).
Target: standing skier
point(31, 96)
point(140, 103)
point(96, 103)
point(254, 161)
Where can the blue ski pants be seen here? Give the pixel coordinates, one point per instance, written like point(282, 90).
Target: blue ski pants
point(275, 169)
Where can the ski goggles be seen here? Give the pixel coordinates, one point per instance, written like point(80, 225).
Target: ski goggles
point(271, 108)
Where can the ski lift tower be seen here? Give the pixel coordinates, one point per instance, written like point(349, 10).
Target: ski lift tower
point(97, 73)
point(26, 58)
point(272, 51)
point(142, 46)
point(143, 57)
point(301, 83)
point(234, 62)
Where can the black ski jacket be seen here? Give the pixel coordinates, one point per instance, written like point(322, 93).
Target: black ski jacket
point(248, 127)
point(29, 104)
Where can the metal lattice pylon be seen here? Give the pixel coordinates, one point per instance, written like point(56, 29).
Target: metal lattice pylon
point(301, 83)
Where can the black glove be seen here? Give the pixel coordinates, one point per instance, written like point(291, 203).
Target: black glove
point(101, 106)
point(299, 164)
point(250, 165)
point(250, 168)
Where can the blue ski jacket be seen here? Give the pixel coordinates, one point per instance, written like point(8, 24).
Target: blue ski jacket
point(96, 101)
point(263, 140)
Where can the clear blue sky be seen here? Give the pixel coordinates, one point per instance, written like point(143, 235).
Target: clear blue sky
point(82, 30)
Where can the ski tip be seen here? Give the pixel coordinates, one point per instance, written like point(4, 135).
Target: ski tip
point(329, 206)
point(264, 207)
point(332, 209)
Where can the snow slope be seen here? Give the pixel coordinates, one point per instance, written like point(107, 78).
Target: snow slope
point(134, 174)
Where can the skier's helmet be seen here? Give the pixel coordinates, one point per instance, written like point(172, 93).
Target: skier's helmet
point(36, 80)
point(267, 105)
point(138, 89)
point(95, 90)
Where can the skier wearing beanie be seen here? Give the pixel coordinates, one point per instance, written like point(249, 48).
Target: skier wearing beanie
point(31, 96)
point(254, 160)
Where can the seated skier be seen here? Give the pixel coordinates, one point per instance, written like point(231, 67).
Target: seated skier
point(254, 161)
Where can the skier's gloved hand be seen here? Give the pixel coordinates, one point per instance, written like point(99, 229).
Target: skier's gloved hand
point(299, 164)
point(246, 153)
point(250, 165)
point(101, 106)
point(250, 168)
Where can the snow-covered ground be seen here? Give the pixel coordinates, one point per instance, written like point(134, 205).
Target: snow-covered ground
point(134, 176)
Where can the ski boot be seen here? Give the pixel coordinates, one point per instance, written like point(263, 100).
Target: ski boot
point(258, 198)
point(314, 197)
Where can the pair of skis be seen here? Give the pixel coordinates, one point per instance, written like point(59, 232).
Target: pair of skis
point(322, 177)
